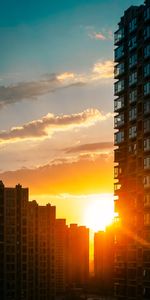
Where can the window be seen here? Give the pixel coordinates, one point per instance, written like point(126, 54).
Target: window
point(119, 52)
point(132, 132)
point(147, 32)
point(132, 43)
point(147, 200)
point(133, 148)
point(146, 219)
point(132, 78)
point(119, 86)
point(132, 114)
point(133, 96)
point(147, 70)
point(119, 120)
point(119, 137)
point(147, 14)
point(147, 88)
point(132, 60)
point(147, 51)
point(119, 103)
point(119, 35)
point(119, 69)
point(147, 144)
point(146, 163)
point(146, 107)
point(133, 25)
point(117, 186)
point(117, 171)
point(146, 181)
point(147, 125)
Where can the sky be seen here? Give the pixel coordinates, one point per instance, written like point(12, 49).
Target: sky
point(56, 99)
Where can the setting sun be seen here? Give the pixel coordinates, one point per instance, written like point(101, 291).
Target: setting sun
point(99, 212)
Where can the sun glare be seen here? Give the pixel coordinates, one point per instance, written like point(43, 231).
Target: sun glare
point(99, 212)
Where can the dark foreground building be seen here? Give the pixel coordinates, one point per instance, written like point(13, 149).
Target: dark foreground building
point(132, 154)
point(27, 246)
point(104, 261)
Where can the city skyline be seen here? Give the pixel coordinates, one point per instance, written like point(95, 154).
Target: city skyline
point(56, 101)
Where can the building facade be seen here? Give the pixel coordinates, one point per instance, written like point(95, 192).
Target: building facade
point(61, 254)
point(27, 247)
point(132, 154)
point(78, 255)
point(13, 242)
point(104, 261)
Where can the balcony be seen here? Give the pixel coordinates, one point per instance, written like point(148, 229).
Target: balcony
point(119, 137)
point(119, 36)
point(119, 87)
point(119, 53)
point(146, 181)
point(147, 144)
point(119, 121)
point(147, 163)
point(119, 70)
point(147, 14)
point(147, 126)
point(118, 103)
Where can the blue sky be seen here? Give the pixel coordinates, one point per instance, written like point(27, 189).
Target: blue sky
point(56, 99)
point(41, 41)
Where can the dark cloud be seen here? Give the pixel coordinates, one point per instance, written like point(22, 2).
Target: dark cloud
point(33, 89)
point(90, 147)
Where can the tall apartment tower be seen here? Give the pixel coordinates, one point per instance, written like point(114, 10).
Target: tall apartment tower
point(104, 261)
point(13, 242)
point(132, 154)
point(61, 255)
point(27, 246)
point(78, 255)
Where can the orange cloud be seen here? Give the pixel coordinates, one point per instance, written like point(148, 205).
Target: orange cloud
point(51, 123)
point(103, 70)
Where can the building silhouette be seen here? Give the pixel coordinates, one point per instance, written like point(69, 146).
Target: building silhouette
point(78, 256)
point(27, 246)
point(13, 242)
point(132, 154)
point(61, 254)
point(104, 261)
point(40, 256)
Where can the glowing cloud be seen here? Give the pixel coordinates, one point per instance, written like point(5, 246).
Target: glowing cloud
point(51, 123)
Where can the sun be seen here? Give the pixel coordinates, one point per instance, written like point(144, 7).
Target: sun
point(99, 212)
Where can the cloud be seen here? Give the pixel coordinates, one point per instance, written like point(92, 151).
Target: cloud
point(103, 70)
point(91, 147)
point(33, 89)
point(97, 36)
point(51, 123)
point(50, 83)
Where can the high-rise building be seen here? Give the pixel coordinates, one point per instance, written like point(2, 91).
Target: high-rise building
point(46, 252)
point(27, 247)
point(78, 255)
point(132, 153)
point(61, 256)
point(104, 261)
point(13, 242)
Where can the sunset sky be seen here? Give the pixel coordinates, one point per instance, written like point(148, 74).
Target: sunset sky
point(56, 100)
